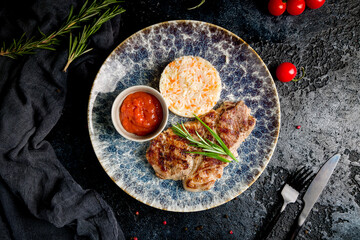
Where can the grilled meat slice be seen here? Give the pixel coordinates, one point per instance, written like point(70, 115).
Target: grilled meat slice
point(233, 125)
point(168, 153)
point(205, 176)
point(168, 156)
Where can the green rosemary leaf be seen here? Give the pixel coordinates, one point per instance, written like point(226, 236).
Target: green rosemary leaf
point(178, 131)
point(42, 34)
point(209, 149)
point(210, 142)
point(47, 48)
point(82, 10)
point(216, 156)
point(70, 13)
point(217, 148)
point(202, 140)
point(185, 129)
point(222, 144)
point(213, 151)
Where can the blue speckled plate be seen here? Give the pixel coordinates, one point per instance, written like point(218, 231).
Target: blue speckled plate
point(139, 60)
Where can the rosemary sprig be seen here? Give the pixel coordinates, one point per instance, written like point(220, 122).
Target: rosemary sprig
point(78, 45)
point(26, 45)
point(218, 139)
point(209, 148)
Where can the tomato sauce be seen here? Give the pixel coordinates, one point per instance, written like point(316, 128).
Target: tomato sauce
point(141, 113)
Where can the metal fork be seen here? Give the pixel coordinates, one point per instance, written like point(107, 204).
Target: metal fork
point(290, 192)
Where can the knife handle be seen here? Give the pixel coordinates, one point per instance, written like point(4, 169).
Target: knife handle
point(294, 231)
point(273, 222)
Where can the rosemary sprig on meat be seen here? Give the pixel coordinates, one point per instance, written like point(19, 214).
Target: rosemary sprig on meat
point(209, 149)
point(26, 45)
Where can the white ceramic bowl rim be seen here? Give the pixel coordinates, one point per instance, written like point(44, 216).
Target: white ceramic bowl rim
point(115, 113)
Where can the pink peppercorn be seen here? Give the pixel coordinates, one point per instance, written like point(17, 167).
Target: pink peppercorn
point(231, 232)
point(134, 238)
point(298, 127)
point(164, 222)
point(137, 213)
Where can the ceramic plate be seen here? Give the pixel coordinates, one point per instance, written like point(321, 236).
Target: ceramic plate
point(139, 60)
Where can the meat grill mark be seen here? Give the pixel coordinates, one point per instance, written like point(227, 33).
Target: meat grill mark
point(168, 153)
point(224, 130)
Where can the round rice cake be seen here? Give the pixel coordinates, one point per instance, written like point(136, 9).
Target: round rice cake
point(190, 85)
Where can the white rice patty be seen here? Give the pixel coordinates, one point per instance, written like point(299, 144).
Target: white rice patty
point(190, 85)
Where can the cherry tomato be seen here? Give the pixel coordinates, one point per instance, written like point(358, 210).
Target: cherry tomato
point(286, 72)
point(314, 4)
point(295, 7)
point(276, 7)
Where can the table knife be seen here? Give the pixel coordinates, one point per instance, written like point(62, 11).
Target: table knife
point(313, 192)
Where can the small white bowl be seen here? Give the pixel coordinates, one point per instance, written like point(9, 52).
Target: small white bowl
point(115, 113)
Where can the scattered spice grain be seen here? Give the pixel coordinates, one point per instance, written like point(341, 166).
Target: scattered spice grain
point(199, 227)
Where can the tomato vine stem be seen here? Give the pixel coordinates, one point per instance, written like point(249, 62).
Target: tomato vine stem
point(302, 76)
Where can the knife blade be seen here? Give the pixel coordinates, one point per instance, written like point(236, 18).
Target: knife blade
point(314, 190)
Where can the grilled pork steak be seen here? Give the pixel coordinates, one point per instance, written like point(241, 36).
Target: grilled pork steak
point(168, 153)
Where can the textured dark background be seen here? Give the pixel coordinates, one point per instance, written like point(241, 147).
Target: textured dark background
point(325, 103)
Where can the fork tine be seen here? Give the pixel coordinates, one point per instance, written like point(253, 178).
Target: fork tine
point(310, 178)
point(296, 175)
point(303, 176)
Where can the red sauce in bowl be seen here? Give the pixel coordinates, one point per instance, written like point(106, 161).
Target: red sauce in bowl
point(141, 113)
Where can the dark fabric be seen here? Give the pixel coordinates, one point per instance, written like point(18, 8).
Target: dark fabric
point(18, 223)
point(38, 197)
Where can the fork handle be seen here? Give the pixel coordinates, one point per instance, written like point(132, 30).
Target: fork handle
point(273, 222)
point(294, 231)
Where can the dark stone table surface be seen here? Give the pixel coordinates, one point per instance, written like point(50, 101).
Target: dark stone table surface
point(326, 103)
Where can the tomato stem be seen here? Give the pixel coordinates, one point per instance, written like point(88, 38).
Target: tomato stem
point(303, 75)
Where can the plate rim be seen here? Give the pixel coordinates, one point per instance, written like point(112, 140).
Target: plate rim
point(89, 113)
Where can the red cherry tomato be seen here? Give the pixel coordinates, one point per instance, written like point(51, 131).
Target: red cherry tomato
point(286, 72)
point(295, 7)
point(276, 7)
point(314, 4)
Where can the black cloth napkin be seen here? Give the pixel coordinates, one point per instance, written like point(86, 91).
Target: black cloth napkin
point(38, 197)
